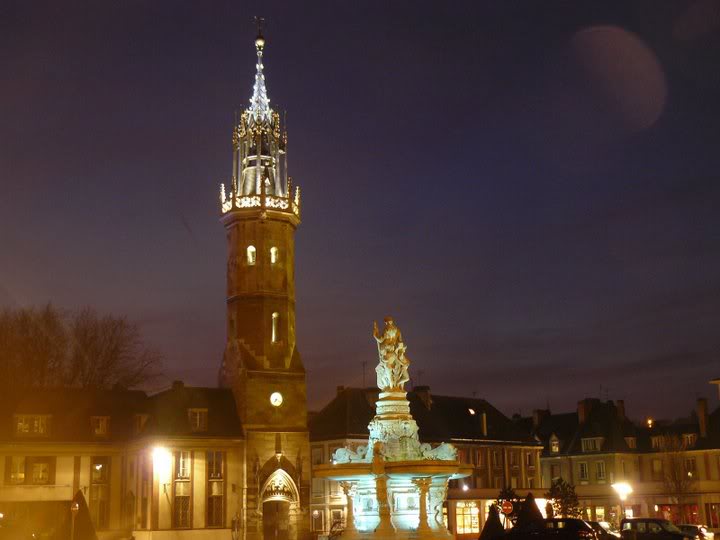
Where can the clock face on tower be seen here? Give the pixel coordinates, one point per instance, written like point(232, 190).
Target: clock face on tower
point(276, 399)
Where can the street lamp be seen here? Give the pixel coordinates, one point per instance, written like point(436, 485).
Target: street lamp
point(623, 489)
point(74, 509)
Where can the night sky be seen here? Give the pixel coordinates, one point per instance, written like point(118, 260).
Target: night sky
point(530, 188)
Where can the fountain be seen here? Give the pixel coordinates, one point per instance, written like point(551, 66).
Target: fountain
point(395, 485)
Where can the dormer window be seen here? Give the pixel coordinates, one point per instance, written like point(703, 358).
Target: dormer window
point(657, 442)
point(251, 254)
point(554, 445)
point(198, 420)
point(32, 425)
point(592, 444)
point(631, 442)
point(689, 440)
point(100, 426)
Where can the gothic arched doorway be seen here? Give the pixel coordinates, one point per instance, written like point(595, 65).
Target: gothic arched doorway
point(280, 501)
point(276, 520)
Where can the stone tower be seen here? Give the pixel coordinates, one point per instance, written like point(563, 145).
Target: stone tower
point(261, 363)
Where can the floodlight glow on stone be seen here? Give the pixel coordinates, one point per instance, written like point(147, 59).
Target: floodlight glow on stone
point(276, 399)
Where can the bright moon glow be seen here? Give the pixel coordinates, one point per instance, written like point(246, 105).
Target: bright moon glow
point(276, 399)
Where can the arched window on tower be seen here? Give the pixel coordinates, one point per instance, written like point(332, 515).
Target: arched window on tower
point(275, 327)
point(251, 255)
point(273, 255)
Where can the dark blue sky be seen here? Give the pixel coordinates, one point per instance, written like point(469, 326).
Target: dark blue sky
point(531, 189)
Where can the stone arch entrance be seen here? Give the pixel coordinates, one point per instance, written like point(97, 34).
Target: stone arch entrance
point(280, 501)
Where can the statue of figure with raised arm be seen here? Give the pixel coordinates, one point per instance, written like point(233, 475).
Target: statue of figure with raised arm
point(392, 369)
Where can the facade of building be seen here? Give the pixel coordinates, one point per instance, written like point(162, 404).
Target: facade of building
point(673, 468)
point(502, 453)
point(190, 462)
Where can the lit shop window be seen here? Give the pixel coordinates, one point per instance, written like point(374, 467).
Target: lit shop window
point(467, 517)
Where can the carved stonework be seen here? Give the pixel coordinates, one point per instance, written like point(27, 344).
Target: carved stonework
point(392, 369)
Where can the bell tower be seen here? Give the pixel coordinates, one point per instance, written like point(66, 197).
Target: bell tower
point(260, 211)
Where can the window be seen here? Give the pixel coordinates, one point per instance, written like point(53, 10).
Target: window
point(318, 487)
point(496, 459)
point(658, 442)
point(592, 444)
point(181, 491)
point(479, 458)
point(251, 255)
point(689, 440)
point(467, 517)
point(30, 470)
point(145, 477)
point(600, 470)
point(275, 322)
point(623, 468)
point(531, 482)
point(513, 458)
point(690, 467)
point(99, 491)
point(140, 421)
point(631, 442)
point(529, 461)
point(657, 469)
point(15, 470)
point(554, 444)
point(583, 471)
point(273, 255)
point(32, 425)
point(198, 420)
point(100, 425)
point(513, 482)
point(318, 521)
point(317, 455)
point(555, 471)
point(215, 489)
point(336, 517)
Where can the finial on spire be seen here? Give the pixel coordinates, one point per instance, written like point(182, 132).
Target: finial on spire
point(259, 102)
point(260, 39)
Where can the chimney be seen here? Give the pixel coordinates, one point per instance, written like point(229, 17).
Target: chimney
point(423, 392)
point(484, 424)
point(702, 414)
point(620, 409)
point(340, 390)
point(538, 416)
point(583, 410)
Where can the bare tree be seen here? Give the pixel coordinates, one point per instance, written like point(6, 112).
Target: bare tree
point(46, 348)
point(678, 477)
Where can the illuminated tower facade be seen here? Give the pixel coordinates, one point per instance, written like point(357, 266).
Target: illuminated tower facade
point(260, 212)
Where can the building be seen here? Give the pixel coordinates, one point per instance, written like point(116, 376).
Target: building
point(190, 461)
point(673, 468)
point(502, 453)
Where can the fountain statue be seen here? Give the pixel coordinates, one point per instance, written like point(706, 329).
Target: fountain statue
point(394, 484)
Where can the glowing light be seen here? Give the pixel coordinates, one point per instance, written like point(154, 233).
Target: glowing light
point(273, 255)
point(251, 255)
point(472, 412)
point(162, 463)
point(465, 487)
point(623, 489)
point(275, 321)
point(315, 513)
point(650, 422)
point(98, 466)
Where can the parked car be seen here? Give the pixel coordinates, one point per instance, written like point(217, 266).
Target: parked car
point(650, 529)
point(553, 529)
point(603, 530)
point(698, 532)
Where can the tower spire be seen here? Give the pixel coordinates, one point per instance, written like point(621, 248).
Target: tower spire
point(259, 110)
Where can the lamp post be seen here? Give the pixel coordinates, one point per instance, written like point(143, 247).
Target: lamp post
point(74, 509)
point(623, 489)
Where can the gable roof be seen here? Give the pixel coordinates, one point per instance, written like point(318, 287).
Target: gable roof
point(439, 418)
point(71, 410)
